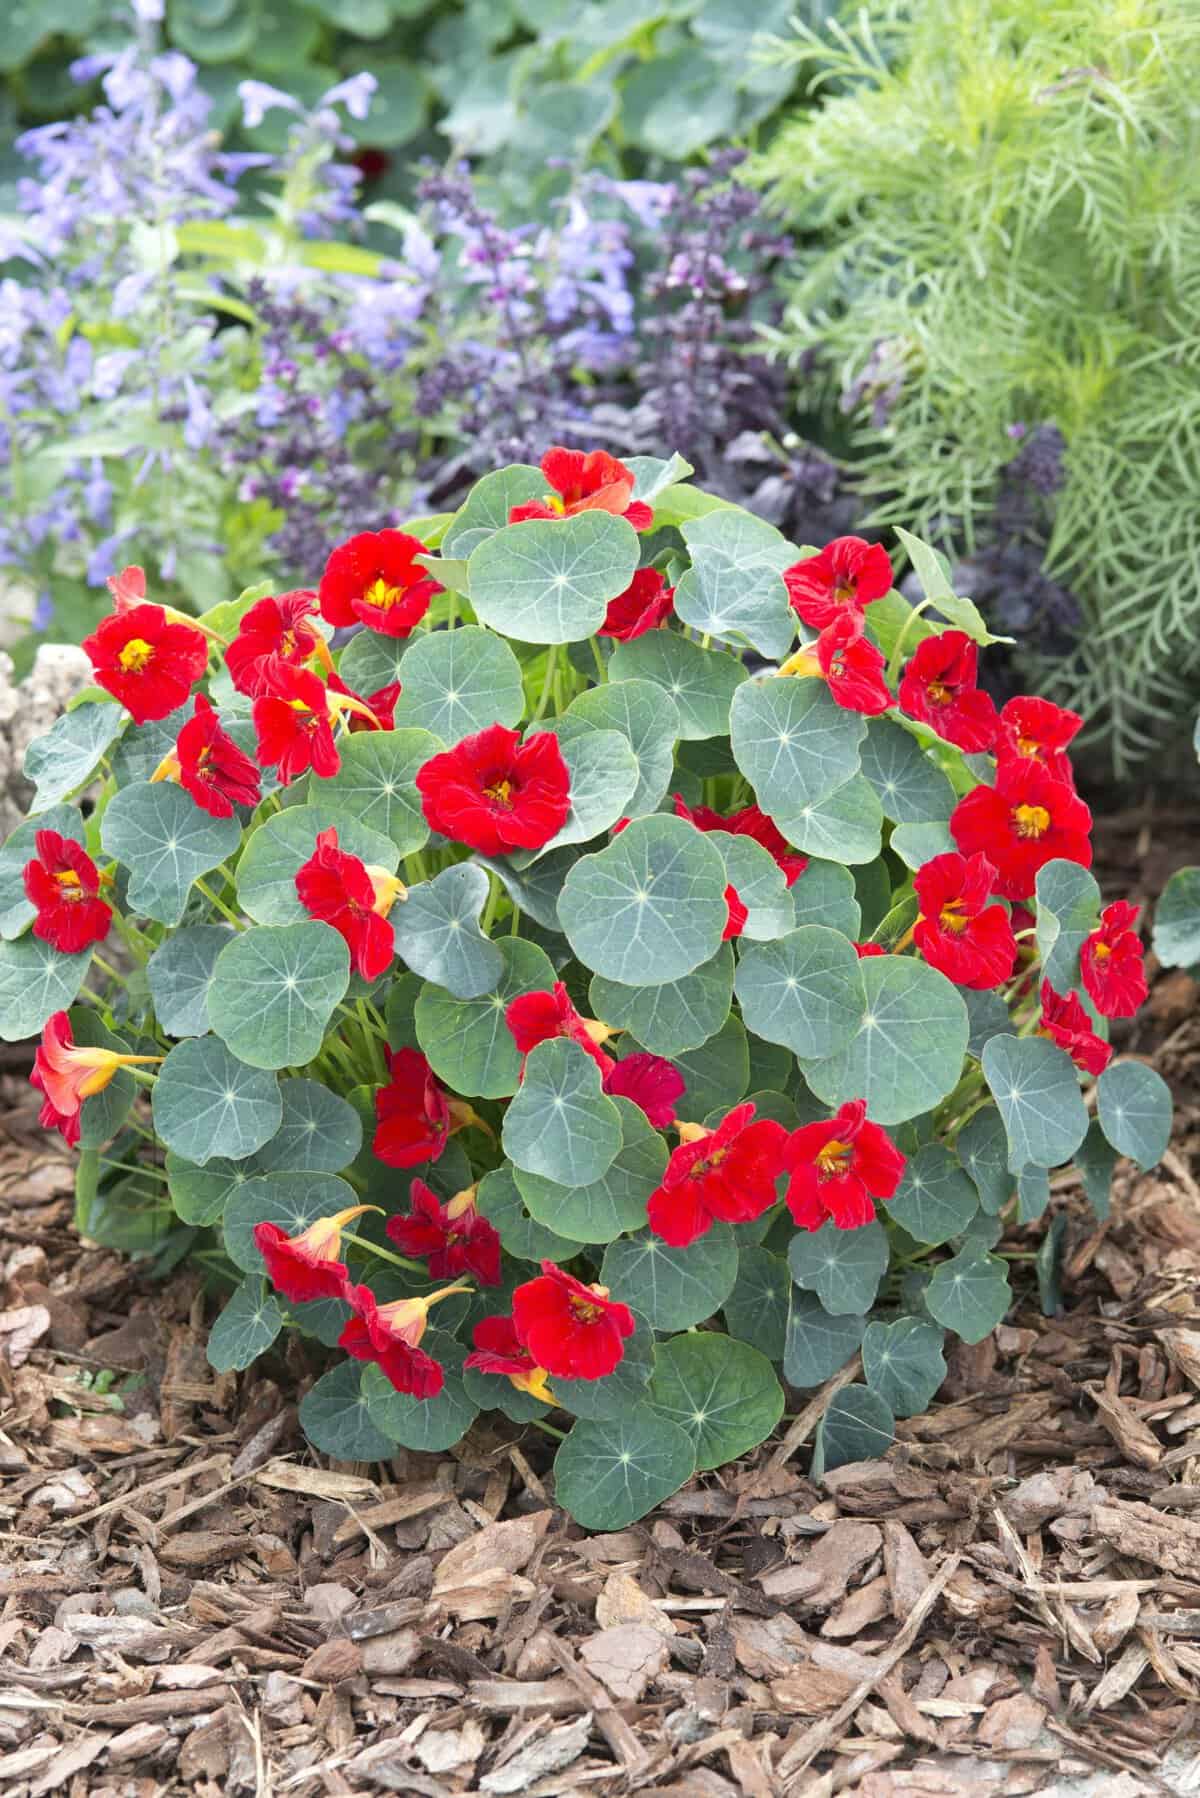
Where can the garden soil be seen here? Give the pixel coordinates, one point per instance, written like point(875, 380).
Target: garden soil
point(191, 1601)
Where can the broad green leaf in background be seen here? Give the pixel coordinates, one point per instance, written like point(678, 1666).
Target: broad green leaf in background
point(560, 1124)
point(467, 1041)
point(320, 1131)
point(610, 1472)
point(246, 1328)
point(825, 894)
point(756, 1311)
point(199, 1195)
point(16, 911)
point(458, 682)
point(429, 1425)
point(982, 1147)
point(438, 934)
point(760, 885)
point(910, 787)
point(675, 104)
point(376, 783)
point(499, 1200)
point(909, 1047)
point(207, 1102)
point(646, 717)
point(675, 1017)
point(917, 844)
point(723, 1393)
point(618, 1391)
point(804, 991)
point(903, 1362)
point(291, 1200)
point(1033, 1194)
point(277, 850)
point(1068, 908)
point(601, 1210)
point(734, 589)
point(969, 1294)
point(700, 682)
point(843, 1267)
point(857, 1425)
point(180, 972)
point(274, 990)
point(1036, 1088)
point(1096, 1158)
point(717, 1074)
point(371, 661)
point(166, 841)
point(534, 889)
point(987, 1015)
point(1177, 921)
point(335, 1418)
point(934, 1200)
point(847, 823)
point(69, 753)
point(35, 982)
point(1134, 1105)
point(485, 509)
point(817, 1343)
point(550, 580)
point(650, 907)
point(672, 1288)
point(793, 742)
point(604, 777)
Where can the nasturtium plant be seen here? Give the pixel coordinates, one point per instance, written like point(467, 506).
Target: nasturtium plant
point(664, 984)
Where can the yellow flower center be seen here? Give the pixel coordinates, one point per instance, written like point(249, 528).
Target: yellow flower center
point(834, 1158)
point(1030, 747)
point(1031, 820)
point(939, 692)
point(135, 655)
point(380, 596)
point(952, 916)
point(69, 884)
point(500, 793)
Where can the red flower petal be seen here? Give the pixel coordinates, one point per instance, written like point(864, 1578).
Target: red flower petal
point(846, 576)
point(146, 661)
point(376, 580)
point(651, 1082)
point(570, 1329)
point(939, 687)
point(63, 882)
point(495, 793)
point(1022, 822)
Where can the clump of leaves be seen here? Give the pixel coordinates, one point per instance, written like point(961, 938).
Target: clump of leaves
point(591, 959)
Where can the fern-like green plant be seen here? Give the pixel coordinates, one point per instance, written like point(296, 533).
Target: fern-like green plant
point(1005, 200)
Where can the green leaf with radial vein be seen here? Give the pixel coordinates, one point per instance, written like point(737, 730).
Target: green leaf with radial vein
point(988, 1017)
point(16, 912)
point(600, 1211)
point(804, 991)
point(609, 1473)
point(534, 889)
point(320, 1131)
point(847, 823)
point(499, 1200)
point(560, 1123)
point(180, 972)
point(1177, 920)
point(1096, 1158)
point(376, 783)
point(756, 1311)
point(983, 1150)
point(910, 787)
point(246, 1328)
point(917, 844)
point(857, 1426)
point(166, 841)
point(200, 1194)
point(458, 682)
point(371, 661)
point(969, 1294)
point(603, 774)
point(648, 908)
point(207, 1102)
point(934, 1200)
point(673, 1018)
point(723, 1393)
point(908, 1051)
point(624, 1387)
point(672, 1288)
point(550, 580)
point(1068, 908)
point(760, 885)
point(652, 475)
point(717, 1074)
point(734, 589)
point(279, 848)
point(291, 1200)
point(335, 1418)
point(35, 982)
point(793, 742)
point(825, 894)
point(700, 682)
point(646, 717)
point(438, 934)
point(485, 509)
point(817, 1343)
point(1036, 1088)
point(429, 1425)
point(903, 1362)
point(67, 756)
point(1134, 1105)
point(274, 990)
point(467, 1042)
point(843, 1267)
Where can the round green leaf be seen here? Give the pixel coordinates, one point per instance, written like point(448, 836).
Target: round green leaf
point(672, 1288)
point(609, 1473)
point(180, 972)
point(560, 1124)
point(987, 1016)
point(16, 912)
point(700, 682)
point(438, 934)
point(35, 982)
point(648, 908)
point(817, 1343)
point(969, 1294)
point(1036, 1088)
point(499, 1200)
point(646, 717)
point(847, 824)
point(399, 103)
point(199, 1195)
point(917, 844)
point(458, 682)
point(1033, 1194)
point(376, 784)
point(756, 1311)
point(1177, 920)
point(1134, 1104)
point(760, 884)
point(291, 1200)
point(724, 1394)
point(278, 849)
point(672, 1018)
point(604, 776)
point(1096, 1158)
point(904, 1364)
point(246, 1328)
point(496, 1392)
point(673, 105)
point(485, 509)
point(207, 1102)
point(624, 1387)
point(550, 580)
point(166, 841)
point(908, 1051)
point(856, 1426)
point(617, 1201)
point(734, 589)
point(804, 991)
point(371, 661)
point(335, 1417)
point(934, 1200)
point(910, 787)
point(430, 1425)
point(534, 889)
point(320, 1131)
point(67, 756)
point(825, 894)
point(843, 1267)
point(467, 1041)
point(717, 1074)
point(274, 990)
point(794, 744)
point(1068, 909)
point(983, 1150)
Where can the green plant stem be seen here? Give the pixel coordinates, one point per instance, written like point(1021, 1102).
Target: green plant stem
point(493, 902)
point(897, 655)
point(601, 666)
point(135, 1167)
point(548, 679)
point(106, 967)
point(360, 1242)
point(133, 939)
point(143, 1075)
point(220, 905)
point(548, 1429)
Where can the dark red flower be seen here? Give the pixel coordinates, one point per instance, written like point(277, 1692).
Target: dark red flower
point(735, 915)
point(958, 932)
point(1111, 963)
point(306, 1266)
point(344, 892)
point(495, 793)
point(208, 764)
point(727, 1173)
point(381, 705)
point(63, 882)
point(939, 687)
point(146, 660)
point(865, 951)
point(646, 604)
point(294, 725)
point(376, 580)
point(843, 577)
point(453, 1238)
point(412, 1113)
point(389, 1336)
point(570, 1329)
point(534, 1018)
point(66, 1073)
point(1037, 730)
point(585, 481)
point(1066, 1023)
point(839, 1168)
point(278, 628)
point(497, 1350)
point(1022, 822)
point(651, 1082)
point(748, 822)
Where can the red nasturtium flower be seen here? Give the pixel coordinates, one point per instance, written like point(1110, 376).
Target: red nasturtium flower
point(495, 793)
point(585, 481)
point(839, 1168)
point(939, 687)
point(534, 1018)
point(958, 932)
point(66, 1073)
point(570, 1329)
point(63, 882)
point(452, 1238)
point(651, 1082)
point(414, 1118)
point(646, 604)
point(849, 663)
point(498, 1350)
point(376, 580)
point(1066, 1023)
point(278, 628)
point(865, 951)
point(208, 764)
point(1037, 730)
point(306, 1266)
point(294, 725)
point(728, 1173)
point(355, 899)
point(1022, 822)
point(390, 1334)
point(382, 706)
point(842, 578)
point(146, 660)
point(1111, 963)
